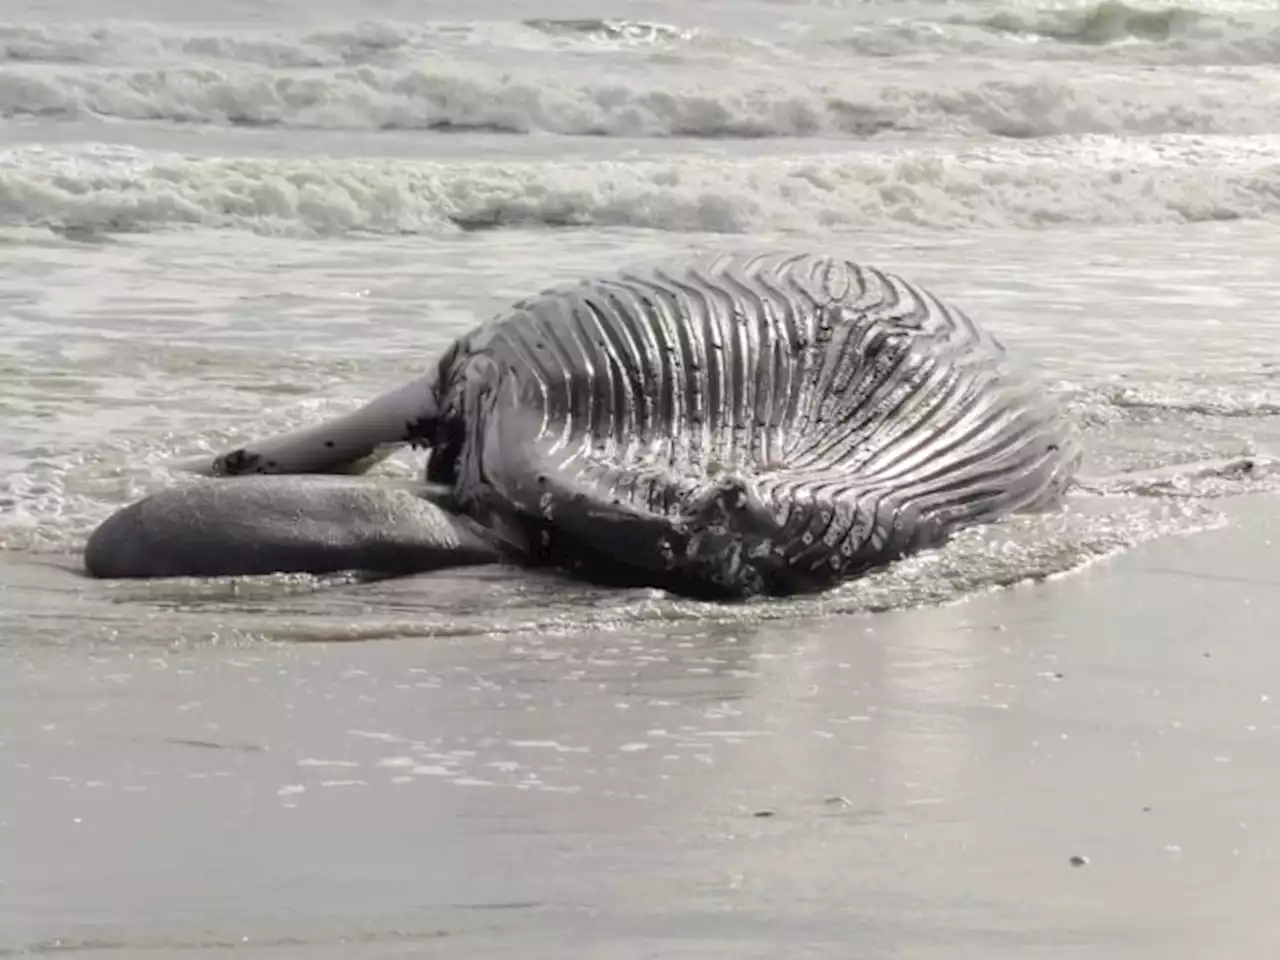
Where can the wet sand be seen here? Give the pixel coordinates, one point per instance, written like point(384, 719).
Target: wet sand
point(910, 784)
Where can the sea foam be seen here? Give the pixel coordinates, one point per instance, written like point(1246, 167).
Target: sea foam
point(104, 189)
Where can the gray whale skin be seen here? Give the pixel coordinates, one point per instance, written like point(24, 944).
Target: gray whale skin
point(720, 426)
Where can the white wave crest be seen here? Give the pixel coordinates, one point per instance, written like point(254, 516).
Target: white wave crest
point(1110, 21)
point(616, 32)
point(1109, 31)
point(470, 96)
point(111, 189)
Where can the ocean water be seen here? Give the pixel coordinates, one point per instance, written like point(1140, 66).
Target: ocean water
point(222, 220)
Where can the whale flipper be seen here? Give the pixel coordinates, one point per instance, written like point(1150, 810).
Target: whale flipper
point(349, 444)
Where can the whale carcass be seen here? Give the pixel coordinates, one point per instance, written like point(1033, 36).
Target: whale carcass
point(723, 425)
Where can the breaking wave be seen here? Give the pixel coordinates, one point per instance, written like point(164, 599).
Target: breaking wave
point(631, 32)
point(1109, 31)
point(119, 189)
point(462, 95)
point(1110, 21)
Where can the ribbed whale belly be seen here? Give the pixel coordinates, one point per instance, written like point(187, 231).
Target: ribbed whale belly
point(740, 424)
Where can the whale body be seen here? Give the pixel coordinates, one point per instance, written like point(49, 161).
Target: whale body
point(723, 425)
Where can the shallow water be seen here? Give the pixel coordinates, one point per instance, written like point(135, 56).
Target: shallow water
point(218, 222)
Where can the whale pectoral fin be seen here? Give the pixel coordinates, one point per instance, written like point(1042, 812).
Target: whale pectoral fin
point(280, 455)
point(349, 444)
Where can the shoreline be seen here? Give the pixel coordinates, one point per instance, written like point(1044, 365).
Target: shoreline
point(916, 781)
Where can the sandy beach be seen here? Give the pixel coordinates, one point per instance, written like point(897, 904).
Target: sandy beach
point(909, 784)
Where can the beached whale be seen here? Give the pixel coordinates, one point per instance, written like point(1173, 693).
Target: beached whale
point(723, 425)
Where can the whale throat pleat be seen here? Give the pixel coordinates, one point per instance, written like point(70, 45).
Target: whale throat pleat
point(756, 423)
